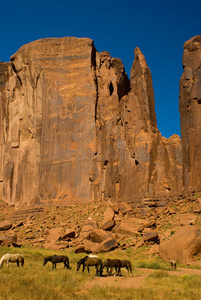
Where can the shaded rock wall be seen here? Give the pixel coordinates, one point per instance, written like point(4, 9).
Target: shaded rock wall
point(190, 112)
point(73, 126)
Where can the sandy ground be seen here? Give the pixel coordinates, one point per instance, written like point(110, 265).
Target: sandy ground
point(138, 278)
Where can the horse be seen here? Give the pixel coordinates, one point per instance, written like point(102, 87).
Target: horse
point(126, 264)
point(109, 264)
point(57, 259)
point(18, 258)
point(173, 264)
point(88, 261)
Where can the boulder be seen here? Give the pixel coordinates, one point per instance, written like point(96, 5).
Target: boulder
point(108, 225)
point(125, 208)
point(92, 223)
point(19, 224)
point(128, 227)
point(5, 225)
point(107, 245)
point(70, 233)
point(55, 234)
point(108, 214)
point(150, 235)
point(98, 236)
point(90, 247)
point(108, 221)
point(54, 246)
point(149, 224)
point(187, 219)
point(86, 230)
point(116, 207)
point(79, 249)
point(183, 246)
point(8, 240)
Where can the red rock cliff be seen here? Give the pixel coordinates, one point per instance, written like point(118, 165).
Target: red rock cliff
point(73, 126)
point(190, 112)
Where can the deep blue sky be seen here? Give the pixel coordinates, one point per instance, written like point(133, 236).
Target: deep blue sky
point(158, 27)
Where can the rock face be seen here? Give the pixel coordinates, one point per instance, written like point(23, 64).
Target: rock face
point(183, 246)
point(74, 127)
point(190, 111)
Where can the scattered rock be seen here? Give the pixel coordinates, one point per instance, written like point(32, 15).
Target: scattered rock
point(86, 230)
point(98, 235)
point(108, 225)
point(150, 224)
point(128, 227)
point(79, 249)
point(5, 225)
point(187, 219)
point(107, 245)
point(116, 207)
point(7, 241)
point(150, 235)
point(125, 208)
point(70, 233)
point(55, 234)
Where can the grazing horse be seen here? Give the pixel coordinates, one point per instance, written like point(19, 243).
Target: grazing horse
point(126, 264)
point(57, 259)
point(111, 263)
point(18, 258)
point(88, 261)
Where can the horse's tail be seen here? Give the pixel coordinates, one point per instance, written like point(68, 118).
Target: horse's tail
point(68, 265)
point(101, 267)
point(130, 266)
point(22, 261)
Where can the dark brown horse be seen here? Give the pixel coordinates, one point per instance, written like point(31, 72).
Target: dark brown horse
point(89, 261)
point(57, 259)
point(126, 264)
point(109, 264)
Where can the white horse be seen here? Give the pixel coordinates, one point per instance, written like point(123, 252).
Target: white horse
point(18, 258)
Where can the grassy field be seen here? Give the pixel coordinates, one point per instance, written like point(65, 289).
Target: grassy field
point(37, 282)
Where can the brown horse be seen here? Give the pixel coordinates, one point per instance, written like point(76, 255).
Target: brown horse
point(89, 261)
point(109, 264)
point(126, 264)
point(57, 259)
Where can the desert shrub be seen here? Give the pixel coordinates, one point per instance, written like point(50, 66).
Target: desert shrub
point(158, 274)
point(151, 265)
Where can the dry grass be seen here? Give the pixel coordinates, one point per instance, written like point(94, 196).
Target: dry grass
point(37, 282)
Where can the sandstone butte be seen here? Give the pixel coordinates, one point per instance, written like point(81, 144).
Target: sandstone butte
point(74, 127)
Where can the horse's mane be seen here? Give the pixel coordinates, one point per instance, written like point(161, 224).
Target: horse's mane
point(82, 260)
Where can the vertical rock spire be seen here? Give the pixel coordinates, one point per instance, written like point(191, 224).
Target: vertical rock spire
point(141, 86)
point(190, 114)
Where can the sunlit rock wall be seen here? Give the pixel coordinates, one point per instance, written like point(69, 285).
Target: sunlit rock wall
point(74, 127)
point(190, 112)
